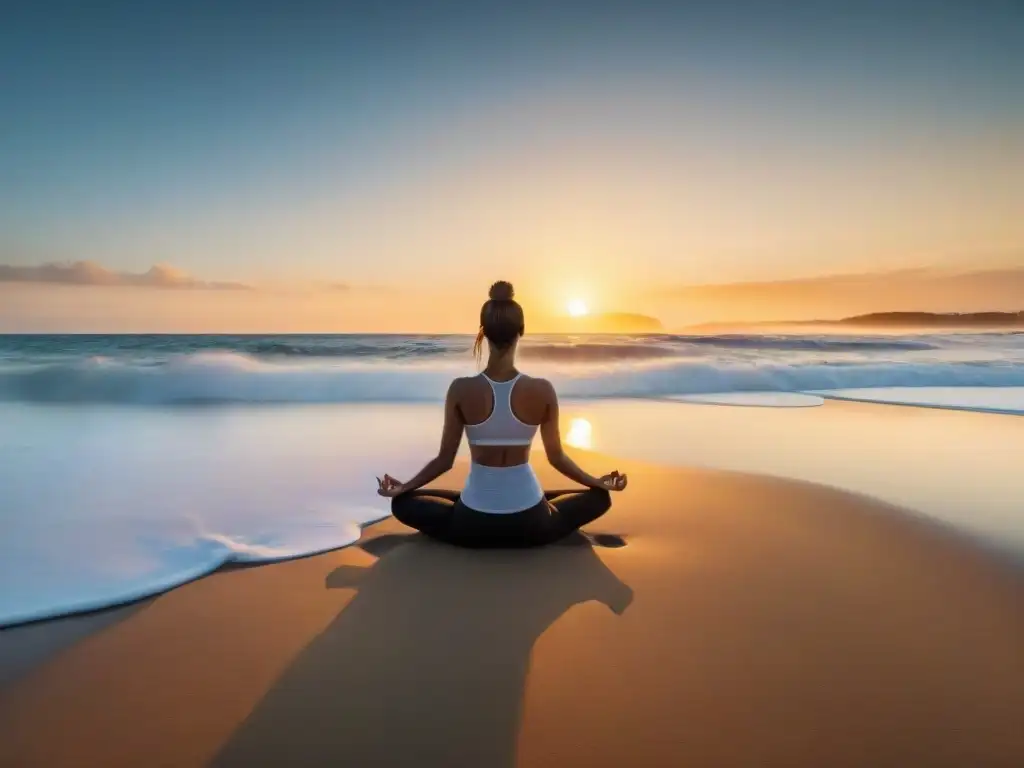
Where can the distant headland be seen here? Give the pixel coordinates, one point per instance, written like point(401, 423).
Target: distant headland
point(942, 320)
point(891, 320)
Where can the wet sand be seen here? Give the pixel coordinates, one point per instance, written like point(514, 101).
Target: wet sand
point(748, 621)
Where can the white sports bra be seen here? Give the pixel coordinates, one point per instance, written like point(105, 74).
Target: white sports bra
point(501, 427)
point(501, 490)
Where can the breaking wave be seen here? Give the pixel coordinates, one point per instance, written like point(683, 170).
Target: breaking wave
point(235, 378)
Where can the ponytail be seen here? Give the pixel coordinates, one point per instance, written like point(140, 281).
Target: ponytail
point(478, 345)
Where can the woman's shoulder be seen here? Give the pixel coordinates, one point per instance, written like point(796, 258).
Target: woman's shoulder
point(533, 384)
point(536, 384)
point(459, 383)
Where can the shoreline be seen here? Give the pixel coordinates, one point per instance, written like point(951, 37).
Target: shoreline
point(455, 477)
point(931, 406)
point(749, 619)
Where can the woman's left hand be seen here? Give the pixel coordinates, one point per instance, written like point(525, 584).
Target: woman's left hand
point(389, 487)
point(614, 481)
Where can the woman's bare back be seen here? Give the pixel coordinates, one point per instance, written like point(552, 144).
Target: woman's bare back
point(531, 404)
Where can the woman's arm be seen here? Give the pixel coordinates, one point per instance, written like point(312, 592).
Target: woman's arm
point(451, 436)
point(551, 435)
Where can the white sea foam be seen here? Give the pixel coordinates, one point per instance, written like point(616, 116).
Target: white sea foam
point(987, 399)
point(55, 564)
point(53, 567)
point(225, 377)
point(103, 506)
point(754, 399)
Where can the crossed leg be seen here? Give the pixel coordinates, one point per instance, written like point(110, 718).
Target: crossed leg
point(571, 510)
point(429, 511)
point(432, 512)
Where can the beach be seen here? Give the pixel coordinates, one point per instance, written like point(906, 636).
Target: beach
point(747, 621)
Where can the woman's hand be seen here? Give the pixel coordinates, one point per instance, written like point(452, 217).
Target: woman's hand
point(389, 487)
point(614, 481)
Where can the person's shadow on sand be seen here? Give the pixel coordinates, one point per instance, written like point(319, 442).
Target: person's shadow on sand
point(427, 664)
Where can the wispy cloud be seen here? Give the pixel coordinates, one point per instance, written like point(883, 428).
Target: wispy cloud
point(320, 288)
point(363, 288)
point(90, 273)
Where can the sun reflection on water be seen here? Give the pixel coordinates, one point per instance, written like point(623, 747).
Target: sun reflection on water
point(580, 434)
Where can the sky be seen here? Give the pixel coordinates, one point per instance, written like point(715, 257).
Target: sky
point(374, 166)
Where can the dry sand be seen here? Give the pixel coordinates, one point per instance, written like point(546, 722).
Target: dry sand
point(749, 622)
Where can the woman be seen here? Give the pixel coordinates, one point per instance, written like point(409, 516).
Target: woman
point(502, 503)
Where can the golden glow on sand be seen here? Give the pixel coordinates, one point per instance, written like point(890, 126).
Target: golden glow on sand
point(580, 434)
point(577, 308)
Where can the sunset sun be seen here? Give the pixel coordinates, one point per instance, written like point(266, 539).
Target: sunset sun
point(577, 308)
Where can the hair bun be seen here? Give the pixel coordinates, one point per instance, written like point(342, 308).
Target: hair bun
point(502, 291)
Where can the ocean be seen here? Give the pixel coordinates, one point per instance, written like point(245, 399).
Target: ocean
point(132, 464)
point(168, 370)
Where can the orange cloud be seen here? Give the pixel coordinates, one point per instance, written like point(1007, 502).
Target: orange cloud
point(93, 274)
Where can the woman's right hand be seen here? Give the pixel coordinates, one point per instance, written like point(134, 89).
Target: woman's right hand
point(613, 481)
point(389, 487)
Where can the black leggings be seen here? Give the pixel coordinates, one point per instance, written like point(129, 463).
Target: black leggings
point(442, 516)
